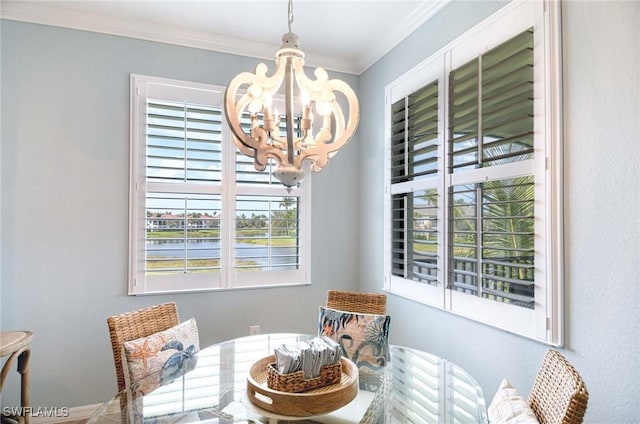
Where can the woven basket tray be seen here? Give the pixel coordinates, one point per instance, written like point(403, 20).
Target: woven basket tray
point(295, 382)
point(316, 401)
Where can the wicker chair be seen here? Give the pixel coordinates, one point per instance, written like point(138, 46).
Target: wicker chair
point(559, 395)
point(133, 325)
point(363, 303)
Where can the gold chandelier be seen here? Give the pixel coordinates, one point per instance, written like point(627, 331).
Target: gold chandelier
point(312, 126)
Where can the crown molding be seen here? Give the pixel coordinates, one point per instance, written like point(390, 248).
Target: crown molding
point(43, 13)
point(395, 35)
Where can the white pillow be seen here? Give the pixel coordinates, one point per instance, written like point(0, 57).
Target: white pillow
point(509, 407)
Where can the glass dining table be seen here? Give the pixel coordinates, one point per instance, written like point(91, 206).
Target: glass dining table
point(414, 387)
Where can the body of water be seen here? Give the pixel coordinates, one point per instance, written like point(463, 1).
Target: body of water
point(261, 254)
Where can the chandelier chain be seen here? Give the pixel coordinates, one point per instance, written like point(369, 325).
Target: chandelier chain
point(290, 14)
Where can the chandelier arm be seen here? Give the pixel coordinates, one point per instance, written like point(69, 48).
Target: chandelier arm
point(323, 87)
point(324, 149)
point(318, 155)
point(256, 144)
point(264, 150)
point(244, 143)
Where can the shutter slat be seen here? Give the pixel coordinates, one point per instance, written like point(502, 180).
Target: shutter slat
point(414, 135)
point(507, 106)
point(176, 132)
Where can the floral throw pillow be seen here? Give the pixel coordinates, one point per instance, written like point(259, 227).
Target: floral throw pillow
point(364, 338)
point(161, 357)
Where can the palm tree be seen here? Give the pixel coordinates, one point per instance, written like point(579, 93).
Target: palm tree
point(508, 227)
point(504, 251)
point(290, 216)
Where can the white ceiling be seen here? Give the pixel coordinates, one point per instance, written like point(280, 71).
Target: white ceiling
point(341, 35)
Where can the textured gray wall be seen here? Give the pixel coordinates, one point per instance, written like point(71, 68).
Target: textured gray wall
point(602, 223)
point(65, 170)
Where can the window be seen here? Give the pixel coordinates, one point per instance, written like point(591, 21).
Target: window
point(201, 216)
point(473, 204)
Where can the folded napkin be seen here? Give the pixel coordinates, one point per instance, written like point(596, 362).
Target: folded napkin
point(309, 356)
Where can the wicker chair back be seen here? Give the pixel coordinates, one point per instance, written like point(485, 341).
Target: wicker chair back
point(559, 395)
point(134, 325)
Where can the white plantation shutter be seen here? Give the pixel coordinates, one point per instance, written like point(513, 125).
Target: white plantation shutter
point(269, 229)
point(183, 153)
point(184, 142)
point(414, 135)
point(246, 173)
point(493, 240)
point(473, 173)
point(415, 236)
point(183, 233)
point(491, 126)
point(202, 217)
point(277, 219)
point(415, 158)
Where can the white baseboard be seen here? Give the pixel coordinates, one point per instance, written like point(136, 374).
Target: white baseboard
point(74, 414)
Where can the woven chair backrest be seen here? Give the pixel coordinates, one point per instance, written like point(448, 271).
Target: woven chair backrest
point(362, 303)
point(559, 395)
point(134, 325)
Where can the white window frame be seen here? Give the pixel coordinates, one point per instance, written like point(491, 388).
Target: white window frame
point(144, 87)
point(545, 322)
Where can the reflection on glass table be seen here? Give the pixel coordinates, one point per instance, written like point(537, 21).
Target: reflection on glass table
point(415, 387)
